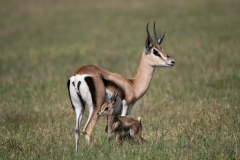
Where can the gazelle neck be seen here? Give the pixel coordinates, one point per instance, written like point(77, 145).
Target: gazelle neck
point(143, 77)
point(110, 121)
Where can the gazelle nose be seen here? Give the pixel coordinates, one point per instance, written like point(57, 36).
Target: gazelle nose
point(172, 61)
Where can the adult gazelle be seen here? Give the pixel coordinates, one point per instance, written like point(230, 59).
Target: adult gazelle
point(94, 86)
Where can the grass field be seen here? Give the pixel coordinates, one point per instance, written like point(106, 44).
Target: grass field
point(191, 111)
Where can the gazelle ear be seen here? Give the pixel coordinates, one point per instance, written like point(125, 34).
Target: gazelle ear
point(113, 99)
point(149, 41)
point(160, 40)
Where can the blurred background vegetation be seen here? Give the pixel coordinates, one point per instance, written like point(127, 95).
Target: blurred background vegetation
point(190, 111)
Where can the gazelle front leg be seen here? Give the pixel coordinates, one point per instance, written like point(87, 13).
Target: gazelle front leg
point(124, 108)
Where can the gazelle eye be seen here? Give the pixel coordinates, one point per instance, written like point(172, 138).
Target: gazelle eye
point(155, 52)
point(106, 108)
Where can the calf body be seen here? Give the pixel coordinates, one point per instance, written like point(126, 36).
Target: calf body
point(120, 126)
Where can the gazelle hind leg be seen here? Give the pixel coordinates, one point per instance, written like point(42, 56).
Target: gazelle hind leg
point(79, 115)
point(95, 100)
point(137, 135)
point(88, 137)
point(89, 128)
point(78, 107)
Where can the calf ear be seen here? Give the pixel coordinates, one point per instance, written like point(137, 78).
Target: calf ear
point(113, 99)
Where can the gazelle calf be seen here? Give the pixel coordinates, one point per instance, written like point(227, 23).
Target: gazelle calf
point(94, 86)
point(118, 125)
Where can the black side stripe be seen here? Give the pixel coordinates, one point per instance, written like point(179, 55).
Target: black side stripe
point(91, 86)
point(113, 84)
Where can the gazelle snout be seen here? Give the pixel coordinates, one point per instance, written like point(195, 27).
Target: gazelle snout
point(170, 61)
point(99, 113)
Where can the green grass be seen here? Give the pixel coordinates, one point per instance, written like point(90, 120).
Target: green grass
point(190, 111)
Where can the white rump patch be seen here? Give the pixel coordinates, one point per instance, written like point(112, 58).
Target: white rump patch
point(84, 92)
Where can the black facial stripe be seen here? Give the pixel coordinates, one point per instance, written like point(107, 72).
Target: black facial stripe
point(155, 52)
point(91, 86)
